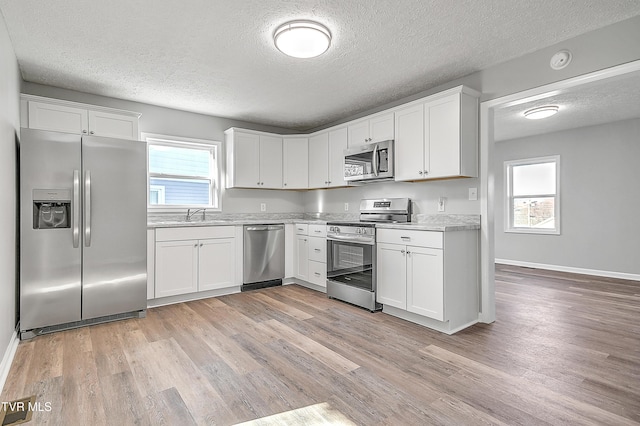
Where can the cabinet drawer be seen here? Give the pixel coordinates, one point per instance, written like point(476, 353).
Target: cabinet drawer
point(318, 273)
point(318, 249)
point(302, 229)
point(317, 230)
point(414, 238)
point(194, 233)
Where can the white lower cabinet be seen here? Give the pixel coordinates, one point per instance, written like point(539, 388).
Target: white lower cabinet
point(311, 254)
point(428, 277)
point(301, 268)
point(184, 264)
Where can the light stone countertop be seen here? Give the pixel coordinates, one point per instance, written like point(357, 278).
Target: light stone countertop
point(421, 222)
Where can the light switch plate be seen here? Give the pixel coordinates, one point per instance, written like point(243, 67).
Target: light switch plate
point(263, 207)
point(441, 204)
point(346, 207)
point(473, 194)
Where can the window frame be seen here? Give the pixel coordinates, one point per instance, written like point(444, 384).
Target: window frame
point(215, 170)
point(509, 198)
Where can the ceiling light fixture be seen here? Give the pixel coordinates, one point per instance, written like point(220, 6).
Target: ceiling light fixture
point(541, 112)
point(302, 39)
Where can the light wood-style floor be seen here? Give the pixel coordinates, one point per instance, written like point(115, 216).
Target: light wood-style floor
point(565, 349)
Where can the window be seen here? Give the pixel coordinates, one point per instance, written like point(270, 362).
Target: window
point(183, 172)
point(532, 195)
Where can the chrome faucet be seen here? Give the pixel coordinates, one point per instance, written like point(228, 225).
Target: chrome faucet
point(191, 213)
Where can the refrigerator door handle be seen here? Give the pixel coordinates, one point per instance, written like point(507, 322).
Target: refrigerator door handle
point(76, 208)
point(87, 208)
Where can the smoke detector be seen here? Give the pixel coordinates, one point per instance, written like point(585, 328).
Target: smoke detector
point(560, 60)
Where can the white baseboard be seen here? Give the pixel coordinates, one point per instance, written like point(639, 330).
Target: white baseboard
point(595, 272)
point(7, 359)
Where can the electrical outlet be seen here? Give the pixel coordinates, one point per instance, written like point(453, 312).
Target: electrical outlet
point(346, 207)
point(441, 203)
point(263, 207)
point(473, 194)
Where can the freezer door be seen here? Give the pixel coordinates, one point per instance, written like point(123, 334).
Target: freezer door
point(114, 234)
point(50, 270)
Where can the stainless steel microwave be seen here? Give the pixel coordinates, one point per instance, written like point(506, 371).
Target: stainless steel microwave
point(369, 162)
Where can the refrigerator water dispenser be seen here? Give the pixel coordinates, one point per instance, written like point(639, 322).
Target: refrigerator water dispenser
point(51, 208)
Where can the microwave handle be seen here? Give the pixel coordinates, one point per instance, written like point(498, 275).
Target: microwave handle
point(375, 160)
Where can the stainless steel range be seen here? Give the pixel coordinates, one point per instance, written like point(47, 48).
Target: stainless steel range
point(351, 251)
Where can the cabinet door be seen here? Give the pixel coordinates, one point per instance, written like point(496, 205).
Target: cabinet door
point(113, 125)
point(392, 275)
point(425, 282)
point(302, 258)
point(381, 128)
point(358, 133)
point(409, 143)
point(442, 124)
point(319, 160)
point(318, 249)
point(246, 160)
point(295, 163)
point(337, 145)
point(318, 273)
point(270, 162)
point(58, 118)
point(217, 261)
point(176, 267)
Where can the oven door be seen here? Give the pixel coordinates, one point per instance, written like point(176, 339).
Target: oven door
point(351, 263)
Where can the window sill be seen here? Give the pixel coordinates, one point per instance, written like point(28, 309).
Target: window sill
point(532, 231)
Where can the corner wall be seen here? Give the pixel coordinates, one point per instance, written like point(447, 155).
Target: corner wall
point(9, 128)
point(599, 200)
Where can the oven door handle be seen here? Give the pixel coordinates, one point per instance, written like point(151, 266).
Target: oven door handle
point(351, 239)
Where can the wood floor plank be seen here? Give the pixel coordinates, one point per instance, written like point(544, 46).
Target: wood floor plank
point(563, 350)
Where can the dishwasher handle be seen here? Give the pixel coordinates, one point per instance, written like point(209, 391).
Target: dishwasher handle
point(264, 228)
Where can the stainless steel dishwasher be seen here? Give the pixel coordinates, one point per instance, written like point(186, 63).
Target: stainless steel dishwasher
point(263, 256)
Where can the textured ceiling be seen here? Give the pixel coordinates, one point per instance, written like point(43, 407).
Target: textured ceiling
point(605, 101)
point(217, 57)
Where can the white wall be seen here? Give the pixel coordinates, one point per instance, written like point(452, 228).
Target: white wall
point(424, 195)
point(600, 199)
point(9, 127)
point(173, 122)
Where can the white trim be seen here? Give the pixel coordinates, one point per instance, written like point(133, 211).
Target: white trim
point(215, 149)
point(571, 269)
point(7, 359)
point(508, 197)
point(92, 107)
point(487, 197)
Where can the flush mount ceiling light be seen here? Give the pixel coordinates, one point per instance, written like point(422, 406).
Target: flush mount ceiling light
point(302, 39)
point(541, 112)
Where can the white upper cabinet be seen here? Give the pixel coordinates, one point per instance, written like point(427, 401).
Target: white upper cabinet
point(326, 158)
point(295, 163)
point(253, 160)
point(377, 128)
point(438, 137)
point(337, 145)
point(70, 117)
point(319, 160)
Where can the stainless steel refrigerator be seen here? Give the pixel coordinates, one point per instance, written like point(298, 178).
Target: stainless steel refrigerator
point(83, 223)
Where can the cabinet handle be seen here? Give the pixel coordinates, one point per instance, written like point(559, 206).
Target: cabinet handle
point(329, 182)
point(408, 253)
point(316, 249)
point(317, 231)
point(420, 172)
point(195, 245)
point(201, 244)
point(285, 184)
point(91, 132)
point(426, 172)
point(402, 251)
point(84, 131)
point(317, 274)
point(406, 238)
